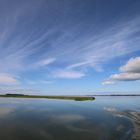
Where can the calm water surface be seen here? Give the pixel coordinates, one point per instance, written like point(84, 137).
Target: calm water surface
point(106, 118)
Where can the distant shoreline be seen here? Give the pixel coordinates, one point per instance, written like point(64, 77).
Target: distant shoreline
point(64, 97)
point(117, 95)
point(76, 98)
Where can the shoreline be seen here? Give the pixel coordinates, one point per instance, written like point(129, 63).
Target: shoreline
point(76, 98)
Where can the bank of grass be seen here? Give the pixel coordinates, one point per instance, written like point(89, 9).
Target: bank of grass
point(76, 98)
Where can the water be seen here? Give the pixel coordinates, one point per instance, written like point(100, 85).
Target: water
point(106, 118)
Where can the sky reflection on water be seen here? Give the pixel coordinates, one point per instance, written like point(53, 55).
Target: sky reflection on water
point(108, 118)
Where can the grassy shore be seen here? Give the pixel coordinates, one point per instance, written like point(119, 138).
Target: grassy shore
point(76, 98)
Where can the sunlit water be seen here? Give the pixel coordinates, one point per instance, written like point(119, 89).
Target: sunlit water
point(106, 118)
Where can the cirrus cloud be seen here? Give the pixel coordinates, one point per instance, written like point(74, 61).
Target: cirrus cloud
point(70, 74)
point(107, 82)
point(46, 61)
point(7, 79)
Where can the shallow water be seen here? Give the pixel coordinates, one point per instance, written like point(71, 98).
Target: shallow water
point(106, 118)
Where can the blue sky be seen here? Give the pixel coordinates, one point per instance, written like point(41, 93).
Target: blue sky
point(69, 46)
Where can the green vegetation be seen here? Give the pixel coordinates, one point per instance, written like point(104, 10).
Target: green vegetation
point(76, 98)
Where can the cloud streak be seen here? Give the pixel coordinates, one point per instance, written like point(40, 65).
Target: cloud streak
point(7, 79)
point(70, 74)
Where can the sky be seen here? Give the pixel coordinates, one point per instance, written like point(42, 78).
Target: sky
point(69, 46)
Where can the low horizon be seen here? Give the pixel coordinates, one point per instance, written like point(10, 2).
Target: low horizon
point(74, 93)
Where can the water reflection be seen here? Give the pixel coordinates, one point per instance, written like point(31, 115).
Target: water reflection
point(133, 116)
point(42, 119)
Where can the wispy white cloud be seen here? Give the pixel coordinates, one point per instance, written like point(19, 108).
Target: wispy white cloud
point(128, 72)
point(107, 82)
point(7, 79)
point(42, 63)
point(68, 74)
point(80, 64)
point(46, 61)
point(29, 82)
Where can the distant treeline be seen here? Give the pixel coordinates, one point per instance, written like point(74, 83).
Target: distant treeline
point(8, 94)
